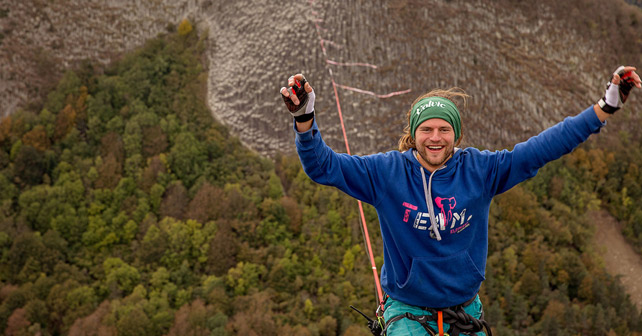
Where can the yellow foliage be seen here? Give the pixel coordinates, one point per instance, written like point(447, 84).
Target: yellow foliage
point(536, 252)
point(81, 103)
point(356, 330)
point(517, 206)
point(554, 310)
point(510, 260)
point(308, 308)
point(82, 98)
point(563, 277)
point(348, 260)
point(5, 128)
point(65, 121)
point(586, 288)
point(185, 27)
point(37, 138)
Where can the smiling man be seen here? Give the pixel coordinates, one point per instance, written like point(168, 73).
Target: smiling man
point(437, 139)
point(436, 125)
point(433, 198)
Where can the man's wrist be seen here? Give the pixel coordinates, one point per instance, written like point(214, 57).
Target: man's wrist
point(601, 115)
point(304, 117)
point(606, 107)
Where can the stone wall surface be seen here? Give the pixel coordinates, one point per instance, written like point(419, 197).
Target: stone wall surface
point(526, 65)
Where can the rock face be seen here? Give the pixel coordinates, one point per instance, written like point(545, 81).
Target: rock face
point(526, 65)
point(40, 38)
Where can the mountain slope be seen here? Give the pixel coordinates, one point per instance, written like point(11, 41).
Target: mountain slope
point(526, 64)
point(619, 258)
point(128, 210)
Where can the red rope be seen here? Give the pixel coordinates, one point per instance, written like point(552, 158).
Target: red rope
point(387, 95)
point(343, 128)
point(363, 217)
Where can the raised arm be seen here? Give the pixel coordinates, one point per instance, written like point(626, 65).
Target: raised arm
point(355, 175)
point(526, 158)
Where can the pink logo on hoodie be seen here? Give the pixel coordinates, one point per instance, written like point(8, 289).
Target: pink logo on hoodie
point(446, 206)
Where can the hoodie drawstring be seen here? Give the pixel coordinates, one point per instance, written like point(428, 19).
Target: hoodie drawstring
point(431, 210)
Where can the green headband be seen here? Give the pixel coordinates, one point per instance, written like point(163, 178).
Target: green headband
point(435, 107)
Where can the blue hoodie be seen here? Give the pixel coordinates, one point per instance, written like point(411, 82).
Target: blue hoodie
point(419, 269)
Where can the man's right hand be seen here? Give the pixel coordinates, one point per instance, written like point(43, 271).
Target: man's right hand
point(299, 98)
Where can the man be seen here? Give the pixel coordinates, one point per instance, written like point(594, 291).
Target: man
point(433, 198)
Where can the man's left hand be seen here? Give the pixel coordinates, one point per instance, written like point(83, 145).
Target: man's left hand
point(617, 90)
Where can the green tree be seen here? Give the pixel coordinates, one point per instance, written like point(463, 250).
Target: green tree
point(244, 276)
point(134, 323)
point(27, 256)
point(119, 276)
point(187, 158)
point(30, 165)
point(174, 201)
point(187, 241)
point(153, 245)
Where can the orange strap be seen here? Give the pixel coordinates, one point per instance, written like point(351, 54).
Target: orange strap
point(440, 322)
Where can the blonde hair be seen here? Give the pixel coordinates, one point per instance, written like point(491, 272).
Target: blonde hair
point(455, 94)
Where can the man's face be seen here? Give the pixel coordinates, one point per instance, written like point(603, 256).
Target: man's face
point(435, 141)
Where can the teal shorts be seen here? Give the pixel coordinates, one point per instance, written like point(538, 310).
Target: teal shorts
point(407, 326)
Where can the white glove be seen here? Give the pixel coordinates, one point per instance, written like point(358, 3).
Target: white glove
point(617, 90)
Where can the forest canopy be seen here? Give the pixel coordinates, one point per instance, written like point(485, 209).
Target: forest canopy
point(126, 209)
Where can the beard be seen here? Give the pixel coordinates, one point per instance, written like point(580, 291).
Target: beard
point(435, 161)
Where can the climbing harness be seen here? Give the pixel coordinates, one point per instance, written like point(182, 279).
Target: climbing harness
point(461, 323)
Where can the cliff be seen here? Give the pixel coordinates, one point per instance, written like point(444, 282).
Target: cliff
point(525, 64)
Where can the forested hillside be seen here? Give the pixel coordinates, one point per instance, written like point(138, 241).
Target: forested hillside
point(125, 209)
